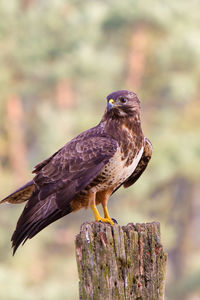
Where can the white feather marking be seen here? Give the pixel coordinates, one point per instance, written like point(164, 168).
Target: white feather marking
point(116, 171)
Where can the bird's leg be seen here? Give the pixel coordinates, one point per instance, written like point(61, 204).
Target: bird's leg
point(106, 215)
point(96, 212)
point(103, 199)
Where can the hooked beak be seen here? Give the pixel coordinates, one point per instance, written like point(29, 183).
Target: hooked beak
point(110, 104)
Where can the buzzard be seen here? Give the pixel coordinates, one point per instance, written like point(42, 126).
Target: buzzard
point(87, 170)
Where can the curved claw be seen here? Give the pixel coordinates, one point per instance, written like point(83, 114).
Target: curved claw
point(115, 221)
point(106, 220)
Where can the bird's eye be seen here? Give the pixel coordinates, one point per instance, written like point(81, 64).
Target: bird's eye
point(123, 100)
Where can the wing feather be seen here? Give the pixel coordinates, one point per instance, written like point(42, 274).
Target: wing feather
point(59, 179)
point(20, 195)
point(74, 166)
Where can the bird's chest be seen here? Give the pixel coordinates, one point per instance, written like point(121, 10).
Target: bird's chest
point(116, 171)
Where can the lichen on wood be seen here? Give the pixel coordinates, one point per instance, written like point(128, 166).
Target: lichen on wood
point(122, 263)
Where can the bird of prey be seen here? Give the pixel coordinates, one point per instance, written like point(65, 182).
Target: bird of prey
point(86, 170)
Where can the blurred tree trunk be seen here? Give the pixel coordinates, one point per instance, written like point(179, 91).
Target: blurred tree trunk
point(26, 4)
point(120, 262)
point(183, 213)
point(181, 219)
point(137, 57)
point(17, 152)
point(183, 196)
point(64, 94)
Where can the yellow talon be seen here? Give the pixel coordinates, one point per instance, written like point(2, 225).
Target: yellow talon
point(98, 218)
point(106, 220)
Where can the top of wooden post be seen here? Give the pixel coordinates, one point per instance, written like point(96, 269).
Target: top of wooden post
point(120, 262)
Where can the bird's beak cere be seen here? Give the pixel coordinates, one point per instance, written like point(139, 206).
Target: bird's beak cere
point(110, 104)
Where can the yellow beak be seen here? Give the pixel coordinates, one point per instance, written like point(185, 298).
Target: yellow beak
point(110, 104)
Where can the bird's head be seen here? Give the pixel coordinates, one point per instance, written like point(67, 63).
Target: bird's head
point(122, 104)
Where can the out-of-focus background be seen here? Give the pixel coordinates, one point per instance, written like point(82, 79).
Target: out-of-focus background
point(58, 61)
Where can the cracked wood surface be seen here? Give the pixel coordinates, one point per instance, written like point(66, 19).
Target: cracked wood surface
point(120, 262)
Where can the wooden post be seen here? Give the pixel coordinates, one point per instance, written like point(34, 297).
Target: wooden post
point(125, 263)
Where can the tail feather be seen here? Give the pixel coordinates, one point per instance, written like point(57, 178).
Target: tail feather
point(20, 195)
point(36, 217)
point(18, 237)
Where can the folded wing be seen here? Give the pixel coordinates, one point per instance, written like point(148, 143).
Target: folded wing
point(59, 179)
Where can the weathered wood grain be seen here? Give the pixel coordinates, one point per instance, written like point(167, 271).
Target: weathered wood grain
point(122, 263)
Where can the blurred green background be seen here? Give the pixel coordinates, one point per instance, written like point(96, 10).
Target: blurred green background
point(58, 61)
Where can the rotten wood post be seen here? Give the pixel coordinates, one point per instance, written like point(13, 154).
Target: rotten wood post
point(120, 263)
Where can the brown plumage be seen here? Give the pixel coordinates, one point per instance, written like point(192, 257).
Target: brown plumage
point(87, 170)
